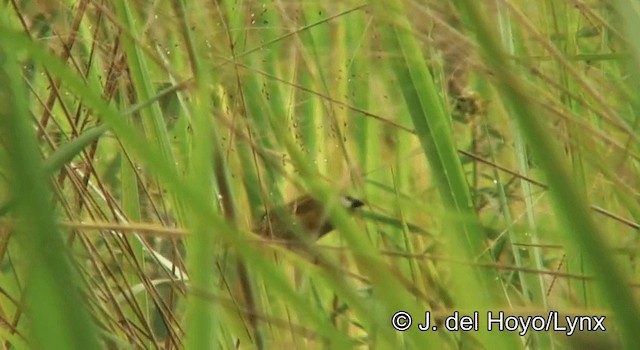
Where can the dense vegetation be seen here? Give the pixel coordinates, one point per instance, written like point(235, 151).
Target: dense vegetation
point(494, 145)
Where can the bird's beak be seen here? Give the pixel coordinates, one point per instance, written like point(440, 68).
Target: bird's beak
point(350, 202)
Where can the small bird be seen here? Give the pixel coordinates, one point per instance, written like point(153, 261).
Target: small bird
point(303, 215)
